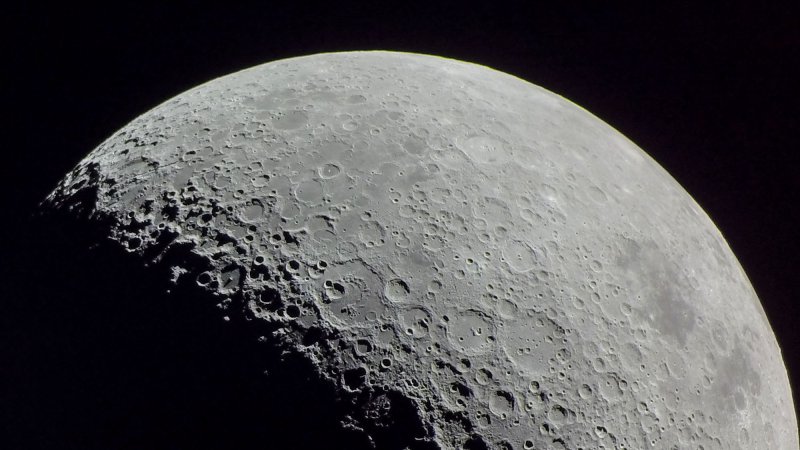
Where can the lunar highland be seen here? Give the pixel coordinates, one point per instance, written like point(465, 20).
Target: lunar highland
point(466, 259)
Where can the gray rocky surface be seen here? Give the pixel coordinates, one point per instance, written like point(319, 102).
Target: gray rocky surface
point(466, 259)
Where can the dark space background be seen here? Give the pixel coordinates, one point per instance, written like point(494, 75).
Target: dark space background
point(91, 353)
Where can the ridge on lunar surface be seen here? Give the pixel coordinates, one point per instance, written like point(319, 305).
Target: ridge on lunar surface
point(462, 255)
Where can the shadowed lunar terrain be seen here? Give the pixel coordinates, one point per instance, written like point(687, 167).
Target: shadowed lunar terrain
point(420, 253)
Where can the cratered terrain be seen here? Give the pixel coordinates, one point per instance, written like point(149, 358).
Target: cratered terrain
point(464, 259)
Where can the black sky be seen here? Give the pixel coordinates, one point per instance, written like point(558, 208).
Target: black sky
point(711, 93)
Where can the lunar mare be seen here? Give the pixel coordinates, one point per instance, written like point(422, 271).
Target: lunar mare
point(449, 241)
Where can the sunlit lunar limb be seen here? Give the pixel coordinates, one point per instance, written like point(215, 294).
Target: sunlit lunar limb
point(455, 239)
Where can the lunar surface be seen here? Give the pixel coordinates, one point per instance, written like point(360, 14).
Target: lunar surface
point(466, 259)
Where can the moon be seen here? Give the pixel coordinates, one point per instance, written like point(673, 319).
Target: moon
point(469, 260)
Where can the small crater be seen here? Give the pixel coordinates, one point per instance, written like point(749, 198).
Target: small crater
point(362, 347)
point(396, 290)
point(483, 376)
point(501, 403)
point(328, 171)
point(355, 378)
point(585, 391)
point(204, 279)
point(520, 256)
point(293, 311)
